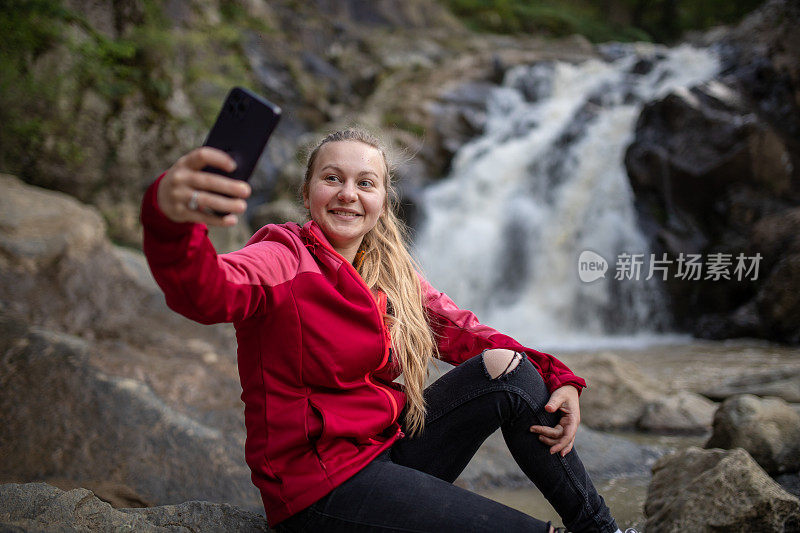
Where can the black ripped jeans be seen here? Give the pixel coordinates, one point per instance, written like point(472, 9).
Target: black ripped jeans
point(409, 487)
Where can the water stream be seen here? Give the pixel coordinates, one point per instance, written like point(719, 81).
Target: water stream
point(546, 181)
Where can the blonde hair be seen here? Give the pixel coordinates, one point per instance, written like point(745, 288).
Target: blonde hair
point(385, 264)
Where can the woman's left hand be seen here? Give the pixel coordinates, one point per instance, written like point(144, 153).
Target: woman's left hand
point(562, 437)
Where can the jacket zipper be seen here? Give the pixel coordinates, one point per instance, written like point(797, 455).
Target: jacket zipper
point(384, 357)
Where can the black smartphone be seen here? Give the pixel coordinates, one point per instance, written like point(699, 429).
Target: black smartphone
point(242, 129)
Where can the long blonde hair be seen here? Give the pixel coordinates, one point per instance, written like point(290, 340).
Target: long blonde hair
point(385, 264)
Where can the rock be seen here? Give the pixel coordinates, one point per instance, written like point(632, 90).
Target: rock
point(58, 270)
point(61, 417)
point(115, 494)
point(43, 508)
point(201, 516)
point(39, 227)
point(768, 428)
point(784, 384)
point(458, 116)
point(716, 490)
point(278, 212)
point(684, 412)
point(790, 483)
point(778, 300)
point(736, 194)
point(617, 394)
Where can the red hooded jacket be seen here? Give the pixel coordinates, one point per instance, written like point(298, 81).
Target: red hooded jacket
point(313, 349)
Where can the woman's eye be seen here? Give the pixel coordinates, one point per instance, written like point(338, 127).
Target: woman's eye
point(331, 177)
point(365, 183)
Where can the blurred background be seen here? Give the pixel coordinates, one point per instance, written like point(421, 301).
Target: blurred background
point(524, 134)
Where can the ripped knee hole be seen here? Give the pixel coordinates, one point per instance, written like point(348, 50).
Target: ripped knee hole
point(500, 363)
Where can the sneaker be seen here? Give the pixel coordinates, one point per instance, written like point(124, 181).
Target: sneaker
point(631, 530)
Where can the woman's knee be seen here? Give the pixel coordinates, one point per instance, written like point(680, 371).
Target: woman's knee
point(500, 362)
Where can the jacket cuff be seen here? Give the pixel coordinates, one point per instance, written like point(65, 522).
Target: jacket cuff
point(577, 382)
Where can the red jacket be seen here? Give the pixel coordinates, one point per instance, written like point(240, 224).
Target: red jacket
point(313, 350)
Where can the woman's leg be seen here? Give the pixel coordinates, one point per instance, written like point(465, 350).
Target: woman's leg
point(387, 497)
point(468, 404)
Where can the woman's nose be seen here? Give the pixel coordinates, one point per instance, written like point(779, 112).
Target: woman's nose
point(347, 193)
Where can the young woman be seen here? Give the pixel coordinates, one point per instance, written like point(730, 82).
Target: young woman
point(327, 316)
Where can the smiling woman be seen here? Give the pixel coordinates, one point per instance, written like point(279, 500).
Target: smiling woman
point(345, 193)
point(328, 316)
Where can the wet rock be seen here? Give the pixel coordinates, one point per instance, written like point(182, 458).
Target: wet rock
point(458, 116)
point(768, 428)
point(61, 417)
point(684, 412)
point(43, 508)
point(784, 384)
point(717, 490)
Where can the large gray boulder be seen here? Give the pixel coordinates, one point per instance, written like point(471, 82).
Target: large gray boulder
point(768, 428)
point(39, 507)
point(62, 417)
point(717, 490)
point(59, 270)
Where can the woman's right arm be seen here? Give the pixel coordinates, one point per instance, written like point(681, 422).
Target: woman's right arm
point(197, 282)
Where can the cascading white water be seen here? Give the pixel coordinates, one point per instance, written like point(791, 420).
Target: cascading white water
point(545, 181)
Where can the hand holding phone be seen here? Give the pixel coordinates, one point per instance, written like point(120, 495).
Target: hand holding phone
point(197, 187)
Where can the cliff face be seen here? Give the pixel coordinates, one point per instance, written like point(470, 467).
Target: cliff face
point(717, 171)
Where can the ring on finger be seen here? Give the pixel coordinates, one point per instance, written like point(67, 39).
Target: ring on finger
point(193, 205)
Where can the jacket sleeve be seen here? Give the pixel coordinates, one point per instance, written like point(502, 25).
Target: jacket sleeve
point(460, 336)
point(202, 285)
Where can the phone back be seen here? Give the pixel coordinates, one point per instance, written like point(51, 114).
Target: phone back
point(242, 129)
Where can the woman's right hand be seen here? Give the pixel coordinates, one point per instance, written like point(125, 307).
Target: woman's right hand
point(187, 194)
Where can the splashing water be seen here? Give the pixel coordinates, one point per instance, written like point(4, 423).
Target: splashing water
point(545, 181)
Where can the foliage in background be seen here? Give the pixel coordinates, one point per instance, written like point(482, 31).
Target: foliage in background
point(600, 20)
point(51, 57)
point(72, 94)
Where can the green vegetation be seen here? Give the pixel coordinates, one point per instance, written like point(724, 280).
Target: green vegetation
point(600, 20)
point(51, 56)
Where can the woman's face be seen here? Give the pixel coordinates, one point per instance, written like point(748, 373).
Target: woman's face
point(346, 193)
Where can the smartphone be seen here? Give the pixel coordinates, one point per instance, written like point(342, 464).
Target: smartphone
point(242, 129)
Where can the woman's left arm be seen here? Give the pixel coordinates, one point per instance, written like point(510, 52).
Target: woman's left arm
point(460, 336)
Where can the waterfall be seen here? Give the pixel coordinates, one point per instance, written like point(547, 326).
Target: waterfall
point(545, 181)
